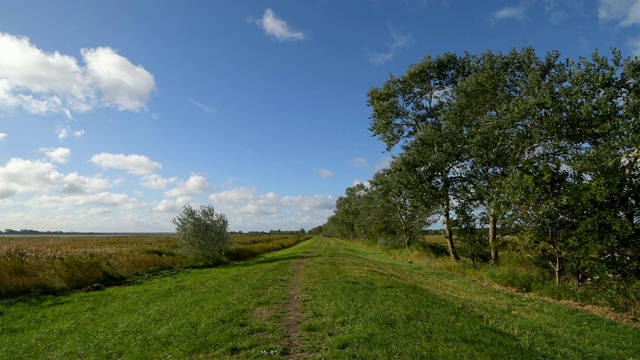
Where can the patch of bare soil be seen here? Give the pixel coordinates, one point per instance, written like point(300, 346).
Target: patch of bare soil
point(601, 311)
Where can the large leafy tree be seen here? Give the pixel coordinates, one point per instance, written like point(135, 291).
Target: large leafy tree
point(409, 110)
point(401, 214)
point(500, 108)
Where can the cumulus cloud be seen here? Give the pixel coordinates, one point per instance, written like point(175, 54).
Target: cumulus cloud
point(122, 84)
point(171, 205)
point(2, 136)
point(245, 207)
point(155, 181)
point(64, 130)
point(194, 186)
point(20, 176)
point(28, 176)
point(59, 155)
point(73, 183)
point(277, 28)
point(39, 82)
point(325, 173)
point(400, 41)
point(134, 164)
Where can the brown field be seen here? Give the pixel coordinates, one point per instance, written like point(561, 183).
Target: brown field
point(52, 264)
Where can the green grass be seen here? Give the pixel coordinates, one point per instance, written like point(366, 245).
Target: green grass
point(525, 273)
point(356, 303)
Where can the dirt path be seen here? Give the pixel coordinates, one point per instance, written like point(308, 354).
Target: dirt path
point(293, 316)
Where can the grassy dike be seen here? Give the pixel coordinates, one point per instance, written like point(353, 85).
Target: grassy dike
point(323, 298)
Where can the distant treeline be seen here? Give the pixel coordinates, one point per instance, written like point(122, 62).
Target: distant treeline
point(316, 231)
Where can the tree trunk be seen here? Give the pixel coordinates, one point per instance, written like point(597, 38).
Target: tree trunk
point(558, 265)
point(448, 233)
point(492, 238)
point(558, 269)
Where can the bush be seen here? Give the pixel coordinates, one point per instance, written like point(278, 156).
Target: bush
point(203, 233)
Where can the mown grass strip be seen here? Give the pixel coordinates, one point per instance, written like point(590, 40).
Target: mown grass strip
point(361, 304)
point(355, 303)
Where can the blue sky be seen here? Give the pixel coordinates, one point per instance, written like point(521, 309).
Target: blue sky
point(115, 114)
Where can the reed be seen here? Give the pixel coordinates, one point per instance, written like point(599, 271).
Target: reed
point(54, 264)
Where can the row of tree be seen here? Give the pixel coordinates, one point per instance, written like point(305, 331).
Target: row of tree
point(543, 148)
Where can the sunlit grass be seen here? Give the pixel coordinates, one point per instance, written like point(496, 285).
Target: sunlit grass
point(357, 303)
point(523, 274)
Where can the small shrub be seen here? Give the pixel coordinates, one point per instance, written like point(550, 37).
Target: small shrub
point(203, 233)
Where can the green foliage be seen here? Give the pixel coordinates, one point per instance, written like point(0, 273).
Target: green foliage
point(203, 233)
point(500, 144)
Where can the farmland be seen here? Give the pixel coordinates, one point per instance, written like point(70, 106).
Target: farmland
point(52, 264)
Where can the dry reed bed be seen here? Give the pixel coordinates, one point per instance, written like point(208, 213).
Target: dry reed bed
point(52, 264)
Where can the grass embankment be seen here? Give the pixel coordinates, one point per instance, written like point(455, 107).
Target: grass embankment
point(52, 264)
point(528, 275)
point(323, 298)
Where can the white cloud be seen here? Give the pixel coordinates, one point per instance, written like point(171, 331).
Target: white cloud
point(359, 162)
point(59, 155)
point(42, 83)
point(626, 12)
point(511, 12)
point(64, 130)
point(553, 8)
point(134, 164)
point(248, 210)
point(22, 176)
point(100, 199)
point(171, 206)
point(122, 84)
point(325, 173)
point(27, 176)
point(73, 183)
point(98, 211)
point(277, 28)
point(2, 136)
point(203, 107)
point(155, 181)
point(400, 41)
point(194, 186)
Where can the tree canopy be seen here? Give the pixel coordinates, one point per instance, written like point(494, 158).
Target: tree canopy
point(542, 147)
